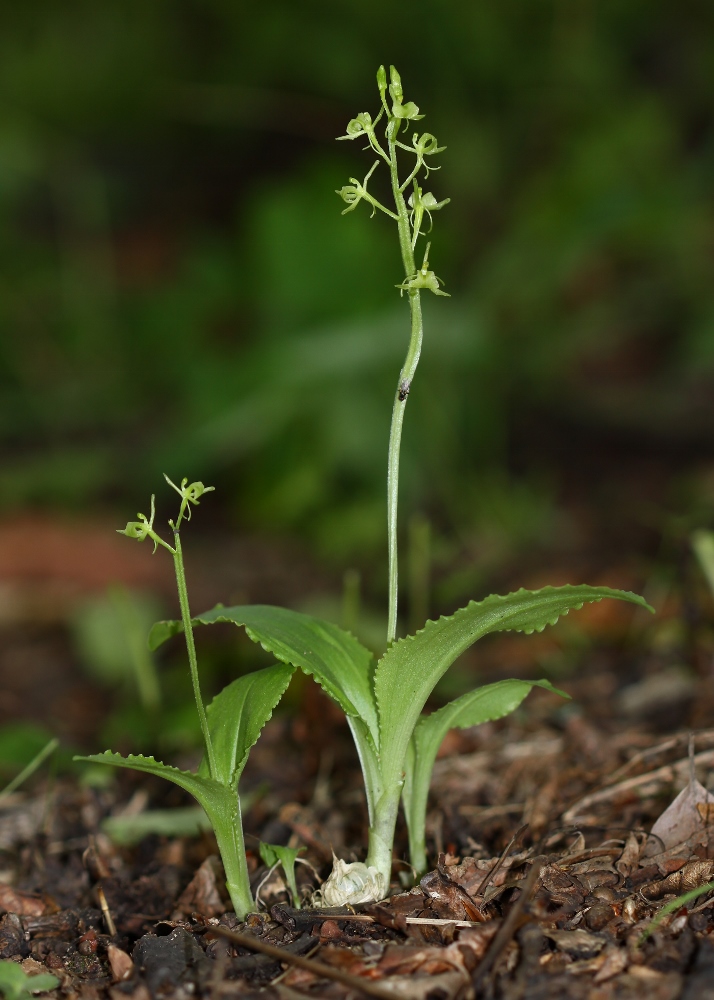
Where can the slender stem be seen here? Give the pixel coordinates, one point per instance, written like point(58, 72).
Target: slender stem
point(30, 769)
point(381, 834)
point(405, 379)
point(191, 649)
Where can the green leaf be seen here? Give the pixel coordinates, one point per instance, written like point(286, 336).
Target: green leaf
point(492, 701)
point(409, 670)
point(273, 854)
point(237, 715)
point(208, 793)
point(16, 984)
point(338, 662)
point(126, 831)
point(222, 807)
point(484, 704)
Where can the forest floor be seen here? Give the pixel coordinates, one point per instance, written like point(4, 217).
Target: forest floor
point(550, 834)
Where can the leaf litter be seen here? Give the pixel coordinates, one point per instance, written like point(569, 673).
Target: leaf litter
point(510, 910)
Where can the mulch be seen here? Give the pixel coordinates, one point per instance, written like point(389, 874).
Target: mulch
point(546, 877)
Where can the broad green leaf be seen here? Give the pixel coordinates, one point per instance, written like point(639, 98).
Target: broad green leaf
point(492, 701)
point(408, 671)
point(238, 713)
point(338, 662)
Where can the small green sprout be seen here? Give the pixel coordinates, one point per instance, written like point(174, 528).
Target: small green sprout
point(671, 907)
point(274, 855)
point(230, 725)
point(16, 984)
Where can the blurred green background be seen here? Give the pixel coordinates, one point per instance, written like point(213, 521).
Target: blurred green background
point(179, 292)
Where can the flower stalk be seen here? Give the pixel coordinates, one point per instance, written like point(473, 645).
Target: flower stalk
point(408, 218)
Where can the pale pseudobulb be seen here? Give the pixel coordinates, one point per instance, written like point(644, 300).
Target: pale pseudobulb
point(349, 884)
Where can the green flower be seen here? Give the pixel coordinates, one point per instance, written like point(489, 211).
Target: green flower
point(141, 528)
point(188, 494)
point(360, 126)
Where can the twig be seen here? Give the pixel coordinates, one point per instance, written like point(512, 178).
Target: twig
point(106, 912)
point(508, 927)
point(643, 756)
point(366, 918)
point(318, 969)
point(491, 874)
point(667, 774)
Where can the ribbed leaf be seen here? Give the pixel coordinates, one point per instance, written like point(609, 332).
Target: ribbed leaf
point(208, 793)
point(484, 704)
point(237, 715)
point(220, 803)
point(338, 662)
point(409, 670)
point(492, 701)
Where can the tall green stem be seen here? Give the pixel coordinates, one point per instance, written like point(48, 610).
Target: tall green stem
point(381, 834)
point(191, 649)
point(405, 378)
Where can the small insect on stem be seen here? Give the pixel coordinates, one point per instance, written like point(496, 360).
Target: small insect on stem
point(404, 387)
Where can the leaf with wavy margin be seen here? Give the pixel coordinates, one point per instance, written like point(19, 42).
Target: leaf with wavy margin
point(338, 661)
point(409, 670)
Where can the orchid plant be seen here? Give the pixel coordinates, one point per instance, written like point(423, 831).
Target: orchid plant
point(230, 724)
point(384, 701)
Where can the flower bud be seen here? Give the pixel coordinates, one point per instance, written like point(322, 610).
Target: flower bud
point(382, 80)
point(395, 87)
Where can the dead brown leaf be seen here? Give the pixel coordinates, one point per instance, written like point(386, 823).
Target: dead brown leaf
point(23, 903)
point(201, 894)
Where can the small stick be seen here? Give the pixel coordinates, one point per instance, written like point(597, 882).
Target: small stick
point(508, 927)
point(491, 874)
point(106, 912)
point(665, 775)
point(704, 737)
point(318, 969)
point(365, 918)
